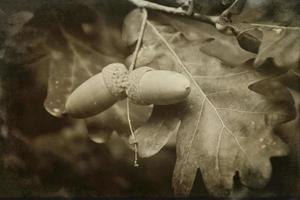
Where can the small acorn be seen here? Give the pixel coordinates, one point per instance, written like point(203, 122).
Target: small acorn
point(159, 87)
point(99, 92)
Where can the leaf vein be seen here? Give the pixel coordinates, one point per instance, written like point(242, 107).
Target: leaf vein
point(196, 84)
point(218, 152)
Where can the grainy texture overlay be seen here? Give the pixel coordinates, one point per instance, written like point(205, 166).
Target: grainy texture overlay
point(150, 98)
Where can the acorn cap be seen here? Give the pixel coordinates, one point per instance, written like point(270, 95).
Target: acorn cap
point(133, 89)
point(115, 76)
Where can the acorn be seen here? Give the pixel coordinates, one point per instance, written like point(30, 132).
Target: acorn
point(159, 87)
point(99, 92)
point(144, 86)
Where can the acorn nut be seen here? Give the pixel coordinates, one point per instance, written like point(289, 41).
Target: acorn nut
point(159, 87)
point(98, 93)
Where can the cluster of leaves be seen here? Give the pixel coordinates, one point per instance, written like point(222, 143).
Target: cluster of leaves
point(243, 86)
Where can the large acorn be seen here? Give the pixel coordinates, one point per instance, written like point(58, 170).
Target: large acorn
point(99, 92)
point(143, 86)
point(159, 87)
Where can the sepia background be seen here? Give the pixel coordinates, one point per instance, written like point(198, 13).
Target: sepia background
point(45, 156)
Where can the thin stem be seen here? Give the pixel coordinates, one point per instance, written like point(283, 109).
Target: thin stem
point(132, 134)
point(229, 9)
point(274, 26)
point(139, 41)
point(131, 67)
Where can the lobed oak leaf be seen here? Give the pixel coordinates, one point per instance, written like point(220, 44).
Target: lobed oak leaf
point(275, 46)
point(224, 127)
point(281, 45)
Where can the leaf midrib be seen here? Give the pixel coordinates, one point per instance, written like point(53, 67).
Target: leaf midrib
point(199, 90)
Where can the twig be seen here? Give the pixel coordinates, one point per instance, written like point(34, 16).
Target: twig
point(131, 67)
point(177, 11)
point(222, 22)
point(155, 6)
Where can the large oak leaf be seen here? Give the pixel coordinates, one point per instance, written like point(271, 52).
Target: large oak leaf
point(223, 128)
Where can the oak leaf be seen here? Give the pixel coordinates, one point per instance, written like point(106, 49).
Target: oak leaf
point(223, 128)
point(281, 45)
